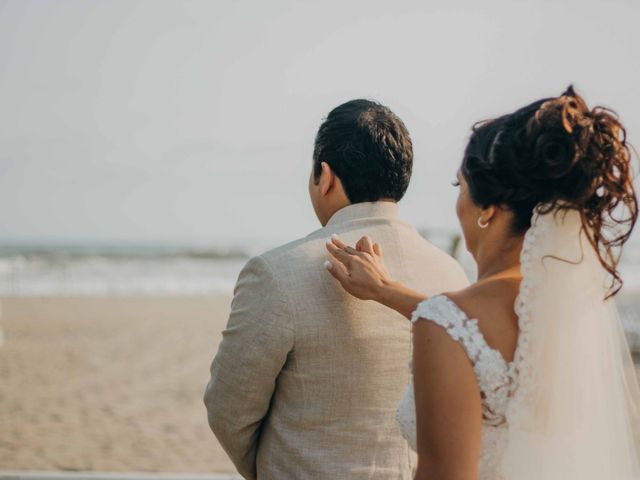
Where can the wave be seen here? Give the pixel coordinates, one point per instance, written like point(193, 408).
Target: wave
point(119, 252)
point(155, 270)
point(105, 276)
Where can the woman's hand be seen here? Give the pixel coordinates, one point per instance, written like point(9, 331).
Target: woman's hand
point(361, 271)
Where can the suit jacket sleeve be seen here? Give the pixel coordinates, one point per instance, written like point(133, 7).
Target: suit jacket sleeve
point(253, 350)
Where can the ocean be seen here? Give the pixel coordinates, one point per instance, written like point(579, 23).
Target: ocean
point(140, 270)
point(104, 270)
point(117, 270)
point(100, 270)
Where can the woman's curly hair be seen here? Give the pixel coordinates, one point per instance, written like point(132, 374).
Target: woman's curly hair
point(560, 154)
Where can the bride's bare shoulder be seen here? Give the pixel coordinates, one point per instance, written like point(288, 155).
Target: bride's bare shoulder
point(481, 296)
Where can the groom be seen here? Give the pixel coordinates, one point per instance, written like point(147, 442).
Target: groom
point(306, 379)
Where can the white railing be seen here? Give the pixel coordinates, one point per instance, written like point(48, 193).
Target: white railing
point(44, 475)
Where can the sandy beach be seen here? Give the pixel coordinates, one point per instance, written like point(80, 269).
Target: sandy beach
point(110, 384)
point(113, 384)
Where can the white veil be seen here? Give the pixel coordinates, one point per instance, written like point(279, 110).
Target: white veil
point(575, 413)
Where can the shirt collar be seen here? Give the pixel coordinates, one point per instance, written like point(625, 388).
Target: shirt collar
point(358, 211)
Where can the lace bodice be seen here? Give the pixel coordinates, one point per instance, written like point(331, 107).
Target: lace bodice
point(495, 379)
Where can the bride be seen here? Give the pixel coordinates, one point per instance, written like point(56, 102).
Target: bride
point(525, 374)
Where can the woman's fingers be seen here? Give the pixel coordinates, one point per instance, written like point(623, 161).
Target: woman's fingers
point(365, 245)
point(377, 249)
point(340, 254)
point(337, 269)
point(335, 239)
point(337, 242)
point(351, 251)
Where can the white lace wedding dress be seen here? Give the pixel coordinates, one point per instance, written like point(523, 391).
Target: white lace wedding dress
point(494, 375)
point(568, 406)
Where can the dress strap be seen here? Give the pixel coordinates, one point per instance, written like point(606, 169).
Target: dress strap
point(491, 369)
point(443, 311)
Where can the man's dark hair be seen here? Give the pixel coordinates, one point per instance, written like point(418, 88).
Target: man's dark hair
point(368, 148)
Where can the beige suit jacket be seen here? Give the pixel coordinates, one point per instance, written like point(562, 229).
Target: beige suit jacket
point(306, 380)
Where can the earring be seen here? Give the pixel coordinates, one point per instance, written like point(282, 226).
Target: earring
point(482, 225)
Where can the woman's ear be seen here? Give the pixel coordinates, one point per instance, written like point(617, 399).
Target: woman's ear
point(487, 214)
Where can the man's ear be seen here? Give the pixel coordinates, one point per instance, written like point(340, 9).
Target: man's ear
point(327, 178)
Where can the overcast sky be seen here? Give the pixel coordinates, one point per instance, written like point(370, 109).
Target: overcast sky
point(193, 121)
